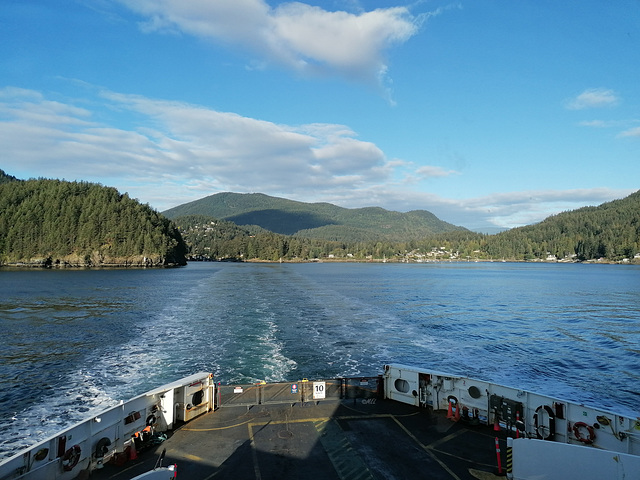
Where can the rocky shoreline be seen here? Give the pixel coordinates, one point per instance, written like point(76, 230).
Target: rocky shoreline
point(94, 261)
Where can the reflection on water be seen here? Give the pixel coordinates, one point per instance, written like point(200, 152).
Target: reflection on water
point(74, 341)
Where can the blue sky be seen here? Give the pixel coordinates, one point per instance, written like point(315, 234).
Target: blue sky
point(490, 114)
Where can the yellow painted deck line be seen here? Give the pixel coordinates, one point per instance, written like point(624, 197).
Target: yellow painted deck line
point(213, 429)
point(342, 417)
point(299, 420)
point(365, 414)
point(195, 458)
point(426, 448)
point(451, 436)
point(320, 420)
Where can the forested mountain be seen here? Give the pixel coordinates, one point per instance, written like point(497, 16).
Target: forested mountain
point(610, 232)
point(212, 239)
point(53, 222)
point(322, 221)
point(6, 178)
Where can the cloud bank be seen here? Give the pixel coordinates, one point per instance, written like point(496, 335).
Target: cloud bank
point(192, 150)
point(185, 152)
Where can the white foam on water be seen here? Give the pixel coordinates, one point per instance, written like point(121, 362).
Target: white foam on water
point(276, 365)
point(246, 326)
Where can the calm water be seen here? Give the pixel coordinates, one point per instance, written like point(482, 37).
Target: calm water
point(75, 341)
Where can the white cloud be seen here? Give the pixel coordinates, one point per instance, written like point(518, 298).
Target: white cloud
point(489, 213)
point(629, 132)
point(187, 144)
point(186, 152)
point(429, 171)
point(632, 132)
point(305, 38)
point(593, 98)
point(595, 123)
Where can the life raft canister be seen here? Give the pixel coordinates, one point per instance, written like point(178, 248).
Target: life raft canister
point(71, 458)
point(539, 426)
point(591, 432)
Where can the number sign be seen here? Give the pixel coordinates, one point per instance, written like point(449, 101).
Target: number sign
point(318, 390)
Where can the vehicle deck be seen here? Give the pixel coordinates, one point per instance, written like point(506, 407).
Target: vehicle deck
point(357, 439)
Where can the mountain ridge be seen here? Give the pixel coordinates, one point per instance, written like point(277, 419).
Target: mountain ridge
point(609, 232)
point(314, 220)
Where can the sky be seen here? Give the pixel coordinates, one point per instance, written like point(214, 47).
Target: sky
point(491, 114)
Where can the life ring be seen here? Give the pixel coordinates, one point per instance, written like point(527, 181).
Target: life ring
point(540, 426)
point(589, 438)
point(71, 458)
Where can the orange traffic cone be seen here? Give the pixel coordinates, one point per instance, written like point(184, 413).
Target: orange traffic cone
point(496, 421)
point(457, 416)
point(133, 453)
point(450, 412)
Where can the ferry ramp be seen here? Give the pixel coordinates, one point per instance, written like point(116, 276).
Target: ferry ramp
point(350, 434)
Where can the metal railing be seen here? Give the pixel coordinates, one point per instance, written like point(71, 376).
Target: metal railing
point(293, 392)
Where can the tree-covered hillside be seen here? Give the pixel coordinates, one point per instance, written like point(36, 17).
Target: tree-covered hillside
point(4, 178)
point(212, 239)
point(322, 221)
point(53, 222)
point(610, 232)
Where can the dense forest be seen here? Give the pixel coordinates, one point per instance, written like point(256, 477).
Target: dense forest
point(53, 222)
point(610, 232)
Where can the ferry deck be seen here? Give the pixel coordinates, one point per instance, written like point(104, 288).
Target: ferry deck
point(407, 423)
point(359, 439)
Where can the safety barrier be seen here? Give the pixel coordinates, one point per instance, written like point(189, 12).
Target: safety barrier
point(294, 392)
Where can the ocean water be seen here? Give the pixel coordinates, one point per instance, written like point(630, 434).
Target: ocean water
point(74, 342)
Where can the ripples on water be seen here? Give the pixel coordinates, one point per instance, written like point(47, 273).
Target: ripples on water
point(78, 341)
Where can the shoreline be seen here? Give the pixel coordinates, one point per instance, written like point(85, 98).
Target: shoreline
point(41, 265)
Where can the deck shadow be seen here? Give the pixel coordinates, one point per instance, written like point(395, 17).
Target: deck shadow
point(320, 440)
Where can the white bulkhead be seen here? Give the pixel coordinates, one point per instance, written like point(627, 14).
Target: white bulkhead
point(111, 432)
point(402, 384)
point(528, 414)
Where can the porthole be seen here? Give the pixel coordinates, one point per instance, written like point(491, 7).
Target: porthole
point(401, 385)
point(474, 392)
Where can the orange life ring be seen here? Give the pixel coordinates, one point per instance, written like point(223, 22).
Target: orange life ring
point(589, 438)
point(71, 458)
